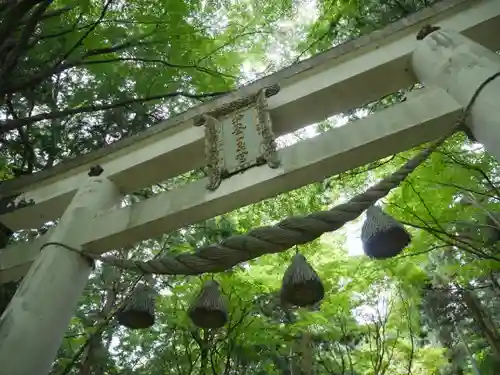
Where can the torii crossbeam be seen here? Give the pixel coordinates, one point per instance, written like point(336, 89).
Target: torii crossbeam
point(451, 66)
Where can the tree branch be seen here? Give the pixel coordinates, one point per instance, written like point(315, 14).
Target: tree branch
point(23, 42)
point(9, 125)
point(14, 16)
point(87, 33)
point(55, 68)
point(60, 33)
point(147, 60)
point(134, 42)
point(60, 66)
point(57, 12)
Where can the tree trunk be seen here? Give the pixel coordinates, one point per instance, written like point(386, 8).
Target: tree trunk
point(204, 360)
point(483, 320)
point(95, 348)
point(302, 355)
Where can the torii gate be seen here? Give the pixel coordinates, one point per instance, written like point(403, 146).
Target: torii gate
point(449, 62)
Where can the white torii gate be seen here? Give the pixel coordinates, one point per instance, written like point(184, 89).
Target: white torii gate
point(449, 62)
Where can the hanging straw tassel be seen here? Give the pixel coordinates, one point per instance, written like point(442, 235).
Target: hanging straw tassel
point(209, 309)
point(301, 284)
point(382, 236)
point(492, 230)
point(139, 311)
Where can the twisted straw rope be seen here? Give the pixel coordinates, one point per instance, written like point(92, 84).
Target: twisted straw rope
point(270, 239)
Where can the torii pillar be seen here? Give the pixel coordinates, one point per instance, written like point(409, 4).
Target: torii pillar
point(33, 325)
point(459, 65)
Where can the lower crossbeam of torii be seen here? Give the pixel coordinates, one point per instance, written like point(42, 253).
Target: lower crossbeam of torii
point(234, 137)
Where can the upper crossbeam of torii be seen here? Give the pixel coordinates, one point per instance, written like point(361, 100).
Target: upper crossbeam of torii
point(234, 136)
